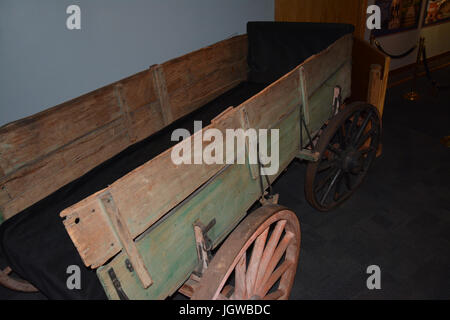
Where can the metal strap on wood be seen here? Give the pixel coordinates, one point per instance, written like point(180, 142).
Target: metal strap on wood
point(111, 211)
point(256, 169)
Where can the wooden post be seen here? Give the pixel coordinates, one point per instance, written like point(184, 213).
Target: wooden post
point(123, 105)
point(112, 212)
point(160, 85)
point(374, 90)
point(304, 94)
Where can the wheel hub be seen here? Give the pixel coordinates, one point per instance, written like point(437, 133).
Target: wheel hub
point(352, 161)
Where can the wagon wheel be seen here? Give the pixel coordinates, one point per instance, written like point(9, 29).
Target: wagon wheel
point(247, 266)
point(15, 284)
point(347, 148)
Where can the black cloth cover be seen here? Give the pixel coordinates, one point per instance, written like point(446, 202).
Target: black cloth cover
point(275, 48)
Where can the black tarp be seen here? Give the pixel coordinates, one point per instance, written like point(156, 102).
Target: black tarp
point(275, 48)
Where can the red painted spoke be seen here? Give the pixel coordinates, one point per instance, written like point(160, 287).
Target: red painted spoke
point(274, 295)
point(239, 279)
point(269, 250)
point(255, 259)
point(284, 243)
point(275, 276)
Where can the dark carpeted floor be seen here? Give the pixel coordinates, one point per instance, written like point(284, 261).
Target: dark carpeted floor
point(399, 219)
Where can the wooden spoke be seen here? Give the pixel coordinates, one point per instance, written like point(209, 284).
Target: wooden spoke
point(281, 249)
point(222, 297)
point(255, 259)
point(363, 126)
point(15, 284)
point(337, 193)
point(325, 165)
point(275, 276)
point(322, 183)
point(271, 267)
point(365, 137)
point(240, 283)
point(332, 184)
point(227, 291)
point(351, 131)
point(274, 295)
point(269, 250)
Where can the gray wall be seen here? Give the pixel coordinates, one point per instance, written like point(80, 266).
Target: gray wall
point(42, 63)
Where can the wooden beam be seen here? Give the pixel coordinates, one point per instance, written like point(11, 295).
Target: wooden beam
point(110, 209)
point(159, 82)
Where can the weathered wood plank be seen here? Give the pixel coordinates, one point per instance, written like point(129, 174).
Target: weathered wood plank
point(196, 94)
point(198, 65)
point(37, 180)
point(319, 67)
point(32, 138)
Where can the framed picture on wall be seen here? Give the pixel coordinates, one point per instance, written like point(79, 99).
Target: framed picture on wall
point(398, 15)
point(437, 11)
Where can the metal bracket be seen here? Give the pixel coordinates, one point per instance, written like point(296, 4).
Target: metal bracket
point(203, 245)
point(337, 99)
point(117, 285)
point(269, 199)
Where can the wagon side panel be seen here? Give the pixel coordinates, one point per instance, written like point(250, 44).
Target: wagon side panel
point(168, 248)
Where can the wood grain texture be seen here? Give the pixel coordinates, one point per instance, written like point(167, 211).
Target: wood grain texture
point(44, 152)
point(111, 211)
point(342, 11)
point(146, 194)
point(203, 75)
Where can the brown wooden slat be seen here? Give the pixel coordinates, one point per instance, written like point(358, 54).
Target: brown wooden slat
point(32, 138)
point(159, 83)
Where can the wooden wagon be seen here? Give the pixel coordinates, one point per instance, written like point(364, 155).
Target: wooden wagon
point(165, 227)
